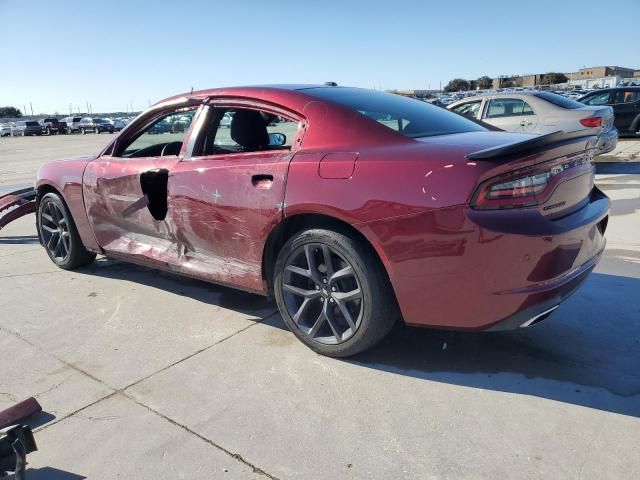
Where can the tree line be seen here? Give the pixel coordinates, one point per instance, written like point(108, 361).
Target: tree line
point(484, 82)
point(10, 112)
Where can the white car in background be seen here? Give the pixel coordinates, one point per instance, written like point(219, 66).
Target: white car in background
point(5, 130)
point(540, 113)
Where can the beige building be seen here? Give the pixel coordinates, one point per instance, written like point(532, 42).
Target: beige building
point(528, 81)
point(599, 72)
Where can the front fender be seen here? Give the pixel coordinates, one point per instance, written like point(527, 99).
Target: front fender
point(66, 178)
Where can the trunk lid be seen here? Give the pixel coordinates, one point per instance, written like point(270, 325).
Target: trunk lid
point(553, 173)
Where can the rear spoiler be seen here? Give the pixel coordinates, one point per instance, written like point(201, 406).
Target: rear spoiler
point(531, 145)
point(16, 204)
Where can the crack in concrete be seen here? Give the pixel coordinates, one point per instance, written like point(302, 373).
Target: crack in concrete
point(235, 456)
point(19, 253)
point(204, 349)
point(30, 274)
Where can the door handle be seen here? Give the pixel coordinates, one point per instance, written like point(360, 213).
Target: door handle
point(524, 123)
point(262, 181)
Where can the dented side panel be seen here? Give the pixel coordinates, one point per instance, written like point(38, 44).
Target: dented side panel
point(119, 209)
point(222, 209)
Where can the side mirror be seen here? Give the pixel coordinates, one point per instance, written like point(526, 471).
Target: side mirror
point(277, 139)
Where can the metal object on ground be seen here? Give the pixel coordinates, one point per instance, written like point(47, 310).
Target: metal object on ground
point(15, 443)
point(16, 204)
point(18, 412)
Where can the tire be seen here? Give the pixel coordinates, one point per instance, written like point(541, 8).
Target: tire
point(48, 131)
point(97, 131)
point(364, 292)
point(52, 215)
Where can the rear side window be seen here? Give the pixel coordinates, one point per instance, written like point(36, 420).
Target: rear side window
point(508, 107)
point(469, 109)
point(559, 100)
point(601, 98)
point(407, 116)
point(627, 96)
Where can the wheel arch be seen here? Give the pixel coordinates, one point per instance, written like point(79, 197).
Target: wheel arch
point(75, 207)
point(295, 223)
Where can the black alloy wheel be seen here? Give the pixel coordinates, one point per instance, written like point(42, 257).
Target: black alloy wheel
point(333, 292)
point(59, 235)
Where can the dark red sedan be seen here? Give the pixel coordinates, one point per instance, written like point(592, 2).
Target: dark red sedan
point(353, 208)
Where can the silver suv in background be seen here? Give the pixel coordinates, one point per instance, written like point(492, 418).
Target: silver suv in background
point(73, 124)
point(540, 113)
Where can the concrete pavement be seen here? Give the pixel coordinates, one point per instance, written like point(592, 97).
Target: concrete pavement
point(147, 375)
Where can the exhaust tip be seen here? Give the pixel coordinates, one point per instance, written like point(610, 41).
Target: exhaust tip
point(539, 317)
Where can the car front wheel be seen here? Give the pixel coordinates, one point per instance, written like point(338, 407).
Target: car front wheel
point(333, 292)
point(59, 235)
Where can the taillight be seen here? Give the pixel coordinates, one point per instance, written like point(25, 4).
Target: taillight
point(592, 122)
point(525, 188)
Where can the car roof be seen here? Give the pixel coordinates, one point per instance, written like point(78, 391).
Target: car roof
point(281, 92)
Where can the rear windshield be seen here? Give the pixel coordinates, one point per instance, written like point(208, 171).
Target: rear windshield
point(559, 100)
point(99, 120)
point(410, 117)
point(32, 124)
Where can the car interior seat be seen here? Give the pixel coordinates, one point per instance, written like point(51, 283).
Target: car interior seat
point(249, 130)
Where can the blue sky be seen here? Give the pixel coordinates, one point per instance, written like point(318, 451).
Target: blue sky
point(111, 53)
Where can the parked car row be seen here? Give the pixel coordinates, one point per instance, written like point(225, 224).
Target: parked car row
point(68, 125)
point(605, 112)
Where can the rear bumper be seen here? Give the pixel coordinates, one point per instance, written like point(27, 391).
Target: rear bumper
point(492, 270)
point(607, 142)
point(559, 290)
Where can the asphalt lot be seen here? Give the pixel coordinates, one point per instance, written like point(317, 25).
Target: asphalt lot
point(148, 375)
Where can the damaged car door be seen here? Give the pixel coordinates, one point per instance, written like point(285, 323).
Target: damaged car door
point(227, 196)
point(125, 190)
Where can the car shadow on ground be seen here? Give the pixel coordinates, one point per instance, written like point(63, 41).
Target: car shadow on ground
point(19, 240)
point(50, 473)
point(230, 298)
point(587, 353)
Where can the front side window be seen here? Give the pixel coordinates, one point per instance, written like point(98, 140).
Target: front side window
point(508, 107)
point(163, 137)
point(236, 130)
point(469, 109)
point(597, 99)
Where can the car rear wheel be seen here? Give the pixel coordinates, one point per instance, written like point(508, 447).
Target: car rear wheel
point(83, 131)
point(59, 234)
point(333, 293)
point(97, 131)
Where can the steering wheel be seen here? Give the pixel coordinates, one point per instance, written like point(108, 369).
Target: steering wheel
point(170, 147)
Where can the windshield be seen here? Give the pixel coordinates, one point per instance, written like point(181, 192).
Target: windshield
point(99, 120)
point(410, 117)
point(559, 100)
